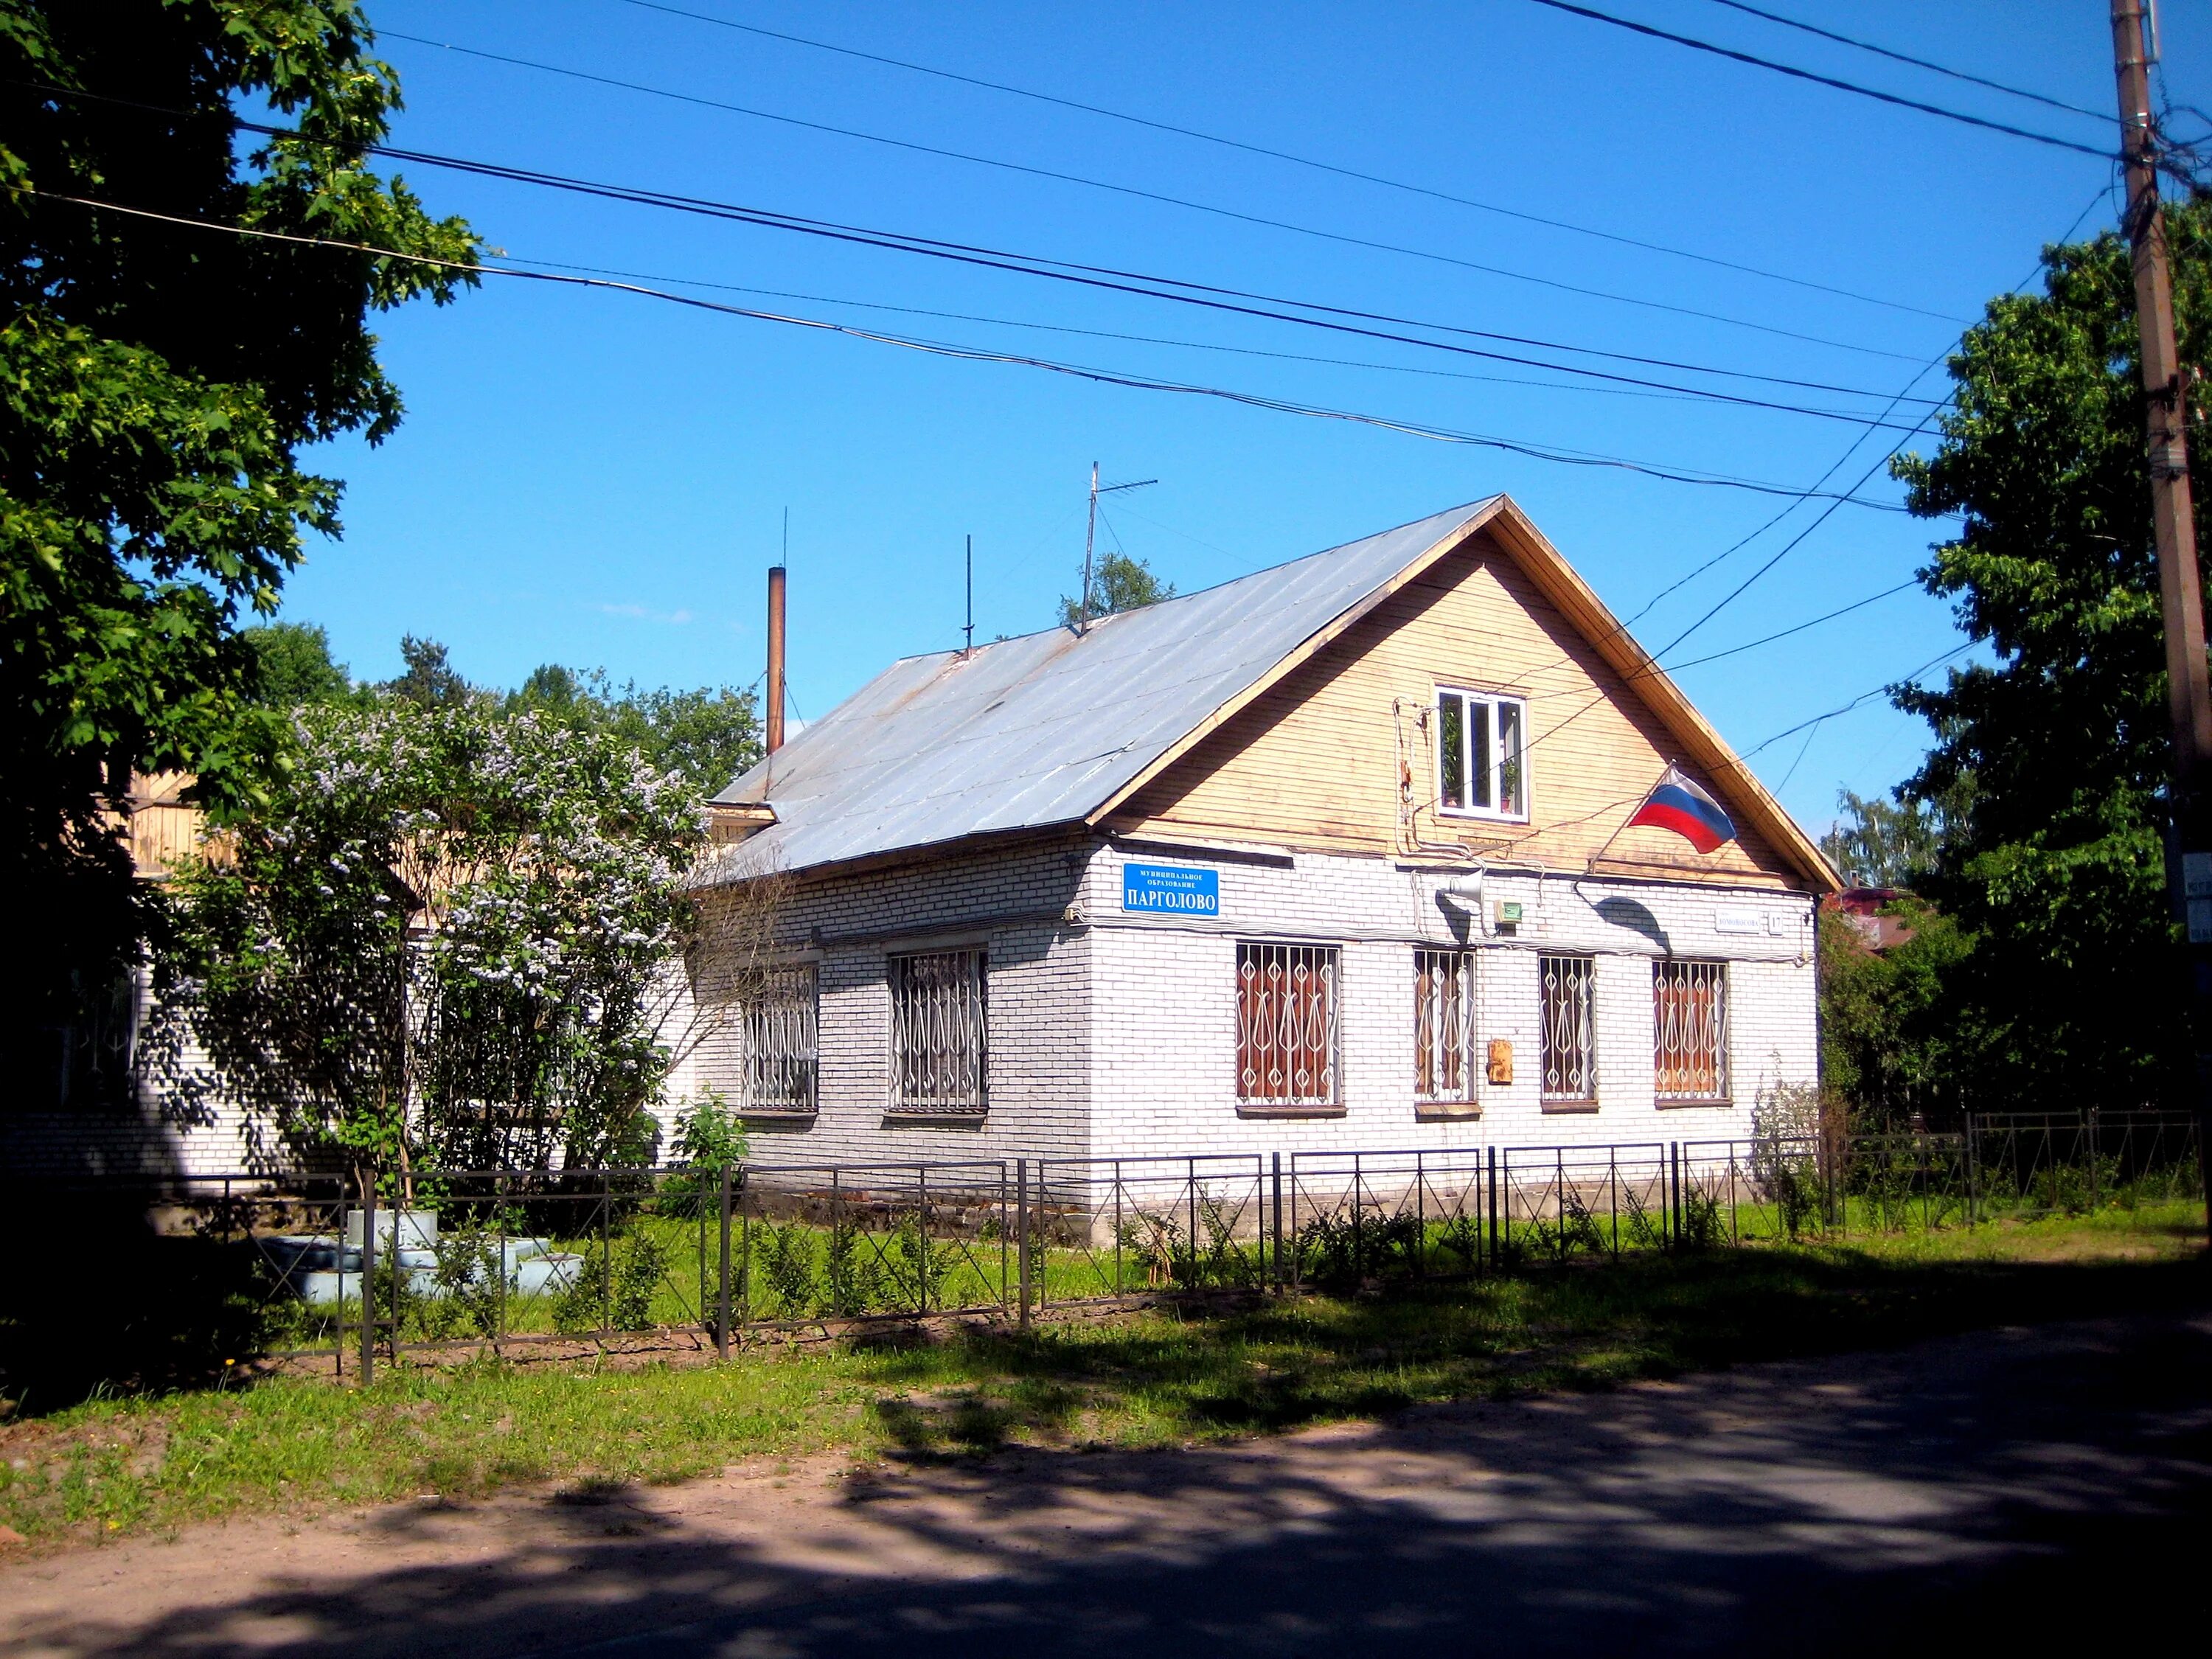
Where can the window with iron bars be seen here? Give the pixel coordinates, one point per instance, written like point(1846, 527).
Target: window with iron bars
point(1287, 1025)
point(1570, 1030)
point(1444, 1025)
point(782, 1026)
point(938, 1025)
point(1689, 1015)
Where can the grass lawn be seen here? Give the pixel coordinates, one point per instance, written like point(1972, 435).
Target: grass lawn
point(1156, 1377)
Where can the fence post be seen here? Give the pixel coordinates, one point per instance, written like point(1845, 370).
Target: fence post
point(1420, 1216)
point(1973, 1175)
point(1022, 1233)
point(921, 1239)
point(1674, 1189)
point(2092, 1128)
point(722, 1276)
point(368, 1277)
point(1493, 1209)
point(1276, 1242)
point(1190, 1178)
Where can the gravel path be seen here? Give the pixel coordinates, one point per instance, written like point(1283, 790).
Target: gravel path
point(2018, 1489)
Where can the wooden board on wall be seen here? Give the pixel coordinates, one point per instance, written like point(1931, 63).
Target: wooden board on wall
point(1315, 761)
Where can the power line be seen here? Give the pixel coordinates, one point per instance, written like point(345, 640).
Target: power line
point(1917, 63)
point(1140, 194)
point(1752, 645)
point(1289, 156)
point(965, 354)
point(1863, 697)
point(1176, 289)
point(1179, 290)
point(1696, 45)
point(1116, 334)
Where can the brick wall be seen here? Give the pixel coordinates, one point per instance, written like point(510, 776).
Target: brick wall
point(1117, 1038)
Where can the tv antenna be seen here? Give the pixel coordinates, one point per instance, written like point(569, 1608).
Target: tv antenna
point(1091, 535)
point(969, 649)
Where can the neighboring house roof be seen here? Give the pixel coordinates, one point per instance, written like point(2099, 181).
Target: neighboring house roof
point(1057, 729)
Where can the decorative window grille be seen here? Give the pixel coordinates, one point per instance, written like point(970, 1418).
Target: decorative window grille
point(939, 1062)
point(1444, 1025)
point(780, 1035)
point(1481, 770)
point(1689, 1013)
point(1286, 1024)
point(1569, 1029)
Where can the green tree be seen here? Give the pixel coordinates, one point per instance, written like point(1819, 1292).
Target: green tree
point(431, 681)
point(1119, 583)
point(707, 735)
point(2056, 866)
point(158, 382)
point(1883, 843)
point(293, 665)
point(1890, 1041)
point(446, 934)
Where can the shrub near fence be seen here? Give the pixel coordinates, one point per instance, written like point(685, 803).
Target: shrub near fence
point(307, 1267)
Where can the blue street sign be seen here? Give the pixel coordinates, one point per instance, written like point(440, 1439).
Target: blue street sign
point(1171, 887)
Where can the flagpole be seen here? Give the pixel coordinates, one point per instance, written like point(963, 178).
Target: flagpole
point(1642, 801)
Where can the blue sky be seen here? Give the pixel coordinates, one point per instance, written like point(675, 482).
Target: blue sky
point(600, 479)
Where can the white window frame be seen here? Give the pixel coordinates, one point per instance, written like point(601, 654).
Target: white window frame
point(1672, 1043)
point(781, 1041)
point(1484, 727)
point(939, 1037)
point(1276, 1036)
point(1443, 1020)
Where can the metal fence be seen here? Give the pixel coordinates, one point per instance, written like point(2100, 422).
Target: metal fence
point(319, 1267)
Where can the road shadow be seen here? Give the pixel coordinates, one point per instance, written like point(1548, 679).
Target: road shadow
point(2020, 1488)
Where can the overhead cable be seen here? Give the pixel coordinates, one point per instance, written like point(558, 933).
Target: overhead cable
point(2102, 152)
point(1119, 334)
point(967, 354)
point(1917, 63)
point(1178, 291)
point(1140, 194)
point(1292, 157)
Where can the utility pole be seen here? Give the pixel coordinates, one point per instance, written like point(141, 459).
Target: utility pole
point(2173, 524)
point(1090, 534)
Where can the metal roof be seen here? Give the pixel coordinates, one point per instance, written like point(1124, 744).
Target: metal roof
point(1044, 729)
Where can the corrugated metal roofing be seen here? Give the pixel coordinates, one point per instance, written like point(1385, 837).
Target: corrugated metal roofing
point(1043, 730)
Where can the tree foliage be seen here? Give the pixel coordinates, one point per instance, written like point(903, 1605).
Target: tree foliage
point(1118, 583)
point(157, 383)
point(1883, 843)
point(446, 934)
point(2055, 867)
point(1891, 1044)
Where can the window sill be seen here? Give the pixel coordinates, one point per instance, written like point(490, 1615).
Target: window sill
point(1570, 1106)
point(1666, 1104)
point(779, 1114)
point(1445, 1111)
point(899, 1117)
point(1287, 1109)
point(1463, 815)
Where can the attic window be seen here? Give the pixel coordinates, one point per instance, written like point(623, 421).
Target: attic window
point(1479, 770)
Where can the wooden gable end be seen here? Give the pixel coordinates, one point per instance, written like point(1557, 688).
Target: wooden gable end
point(1339, 755)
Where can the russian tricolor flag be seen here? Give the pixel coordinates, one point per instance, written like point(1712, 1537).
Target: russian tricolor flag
point(1677, 804)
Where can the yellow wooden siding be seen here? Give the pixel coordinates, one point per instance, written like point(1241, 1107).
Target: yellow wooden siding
point(1314, 763)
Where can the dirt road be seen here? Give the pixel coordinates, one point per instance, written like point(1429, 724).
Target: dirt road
point(2035, 1487)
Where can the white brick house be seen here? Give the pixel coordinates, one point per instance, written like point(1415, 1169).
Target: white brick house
point(1332, 856)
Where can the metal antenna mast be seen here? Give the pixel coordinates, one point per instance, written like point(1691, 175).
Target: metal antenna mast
point(969, 649)
point(1089, 536)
